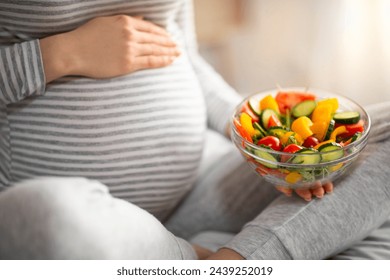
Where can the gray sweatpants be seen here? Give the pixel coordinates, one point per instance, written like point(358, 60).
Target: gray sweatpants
point(75, 218)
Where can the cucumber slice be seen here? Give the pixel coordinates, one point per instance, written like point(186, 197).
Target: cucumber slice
point(277, 131)
point(350, 117)
point(265, 115)
point(266, 156)
point(259, 128)
point(330, 130)
point(332, 151)
point(311, 156)
point(356, 136)
point(304, 108)
point(254, 105)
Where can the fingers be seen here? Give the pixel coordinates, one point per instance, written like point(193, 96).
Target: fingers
point(152, 61)
point(304, 193)
point(155, 50)
point(328, 187)
point(284, 190)
point(317, 190)
point(146, 26)
point(150, 38)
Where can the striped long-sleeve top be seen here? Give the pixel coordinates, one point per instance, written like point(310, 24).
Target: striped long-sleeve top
point(140, 134)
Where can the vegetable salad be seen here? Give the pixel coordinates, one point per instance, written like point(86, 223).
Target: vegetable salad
point(300, 124)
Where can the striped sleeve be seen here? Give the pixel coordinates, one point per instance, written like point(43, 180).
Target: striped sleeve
point(221, 99)
point(21, 72)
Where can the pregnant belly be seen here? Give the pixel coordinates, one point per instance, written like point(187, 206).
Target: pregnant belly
point(140, 135)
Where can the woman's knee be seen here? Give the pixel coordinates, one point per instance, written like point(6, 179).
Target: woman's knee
point(75, 218)
point(43, 218)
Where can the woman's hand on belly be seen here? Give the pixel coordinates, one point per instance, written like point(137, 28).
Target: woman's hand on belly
point(107, 47)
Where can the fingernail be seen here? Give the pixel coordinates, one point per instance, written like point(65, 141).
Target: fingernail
point(319, 196)
point(329, 192)
point(308, 199)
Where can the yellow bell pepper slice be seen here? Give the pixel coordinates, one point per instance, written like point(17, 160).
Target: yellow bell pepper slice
point(340, 130)
point(246, 123)
point(285, 137)
point(322, 113)
point(336, 167)
point(293, 178)
point(323, 143)
point(302, 126)
point(319, 130)
point(299, 139)
point(337, 131)
point(269, 102)
point(331, 102)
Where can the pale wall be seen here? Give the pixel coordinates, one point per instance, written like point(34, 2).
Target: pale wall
point(337, 45)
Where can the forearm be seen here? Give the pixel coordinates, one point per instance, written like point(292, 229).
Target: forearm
point(57, 56)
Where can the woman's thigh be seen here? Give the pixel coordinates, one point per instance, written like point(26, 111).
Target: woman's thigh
point(227, 194)
point(76, 218)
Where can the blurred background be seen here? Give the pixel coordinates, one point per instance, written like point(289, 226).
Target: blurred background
point(337, 45)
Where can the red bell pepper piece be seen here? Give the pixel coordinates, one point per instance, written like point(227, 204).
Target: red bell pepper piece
point(274, 121)
point(352, 129)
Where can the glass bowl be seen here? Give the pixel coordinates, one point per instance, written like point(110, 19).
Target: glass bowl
point(280, 173)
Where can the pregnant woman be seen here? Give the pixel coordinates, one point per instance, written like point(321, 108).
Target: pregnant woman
point(114, 91)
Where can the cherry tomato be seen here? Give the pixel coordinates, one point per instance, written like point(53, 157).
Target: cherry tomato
point(287, 100)
point(270, 141)
point(310, 142)
point(292, 148)
point(274, 121)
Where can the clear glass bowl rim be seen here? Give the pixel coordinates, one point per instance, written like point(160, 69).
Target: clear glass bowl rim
point(359, 144)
